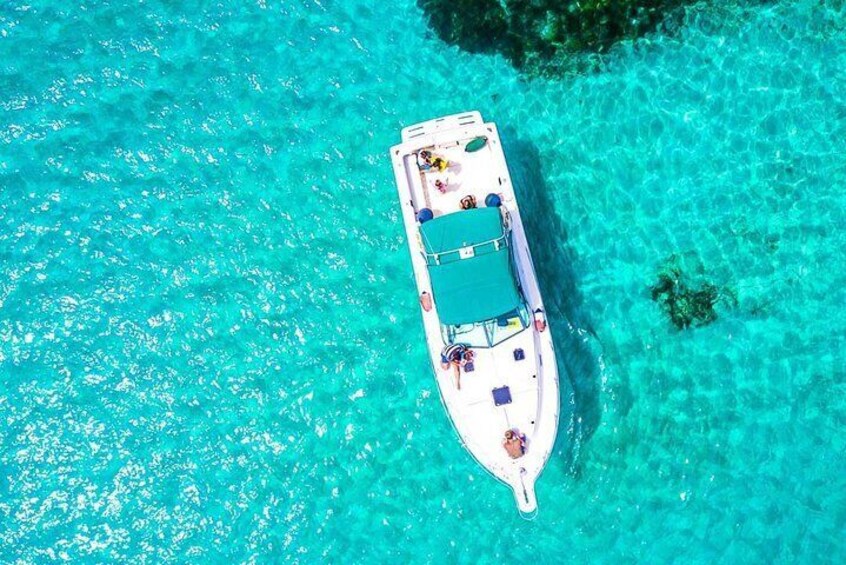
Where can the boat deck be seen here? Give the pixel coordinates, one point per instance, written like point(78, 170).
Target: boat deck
point(466, 174)
point(479, 421)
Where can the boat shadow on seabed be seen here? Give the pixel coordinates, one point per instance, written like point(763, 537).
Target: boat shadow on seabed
point(578, 349)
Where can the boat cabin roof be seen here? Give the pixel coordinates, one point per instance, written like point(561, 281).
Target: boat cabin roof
point(470, 265)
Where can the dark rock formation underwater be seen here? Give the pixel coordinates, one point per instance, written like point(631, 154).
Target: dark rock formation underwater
point(541, 36)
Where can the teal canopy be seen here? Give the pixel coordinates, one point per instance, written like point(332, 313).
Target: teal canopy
point(469, 266)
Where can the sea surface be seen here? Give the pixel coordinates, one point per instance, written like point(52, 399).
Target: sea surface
point(210, 344)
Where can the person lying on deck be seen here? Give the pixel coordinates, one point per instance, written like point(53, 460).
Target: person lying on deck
point(514, 444)
point(457, 355)
point(424, 160)
point(427, 161)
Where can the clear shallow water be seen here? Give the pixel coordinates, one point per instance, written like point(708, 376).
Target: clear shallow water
point(210, 347)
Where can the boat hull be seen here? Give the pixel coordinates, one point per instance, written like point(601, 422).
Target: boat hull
point(524, 363)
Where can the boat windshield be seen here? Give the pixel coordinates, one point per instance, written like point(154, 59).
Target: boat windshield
point(489, 332)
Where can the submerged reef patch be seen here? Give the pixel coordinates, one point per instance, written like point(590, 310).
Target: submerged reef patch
point(541, 36)
point(688, 299)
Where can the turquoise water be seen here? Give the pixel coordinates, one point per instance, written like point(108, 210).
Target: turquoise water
point(210, 345)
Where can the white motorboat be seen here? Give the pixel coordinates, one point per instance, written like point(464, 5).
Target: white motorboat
point(478, 290)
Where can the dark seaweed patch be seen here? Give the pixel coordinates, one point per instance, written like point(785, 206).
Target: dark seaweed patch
point(542, 35)
point(686, 301)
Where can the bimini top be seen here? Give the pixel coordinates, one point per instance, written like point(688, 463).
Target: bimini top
point(470, 266)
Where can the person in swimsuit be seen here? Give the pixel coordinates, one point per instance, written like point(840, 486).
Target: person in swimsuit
point(457, 355)
point(514, 444)
point(440, 163)
point(424, 160)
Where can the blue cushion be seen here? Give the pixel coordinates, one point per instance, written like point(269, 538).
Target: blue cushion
point(493, 200)
point(424, 215)
point(519, 354)
point(501, 396)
